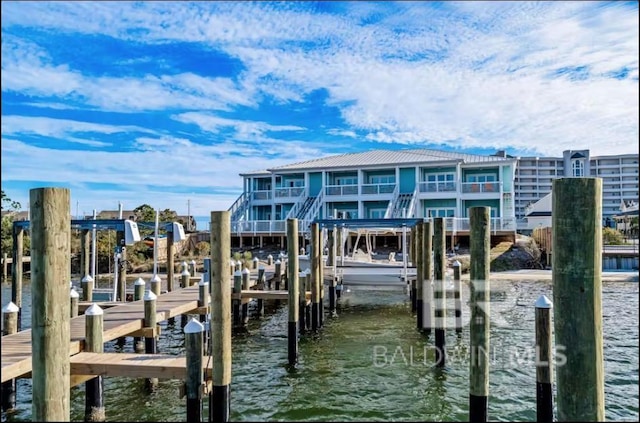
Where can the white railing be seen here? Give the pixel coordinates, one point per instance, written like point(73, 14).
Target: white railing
point(392, 202)
point(261, 195)
point(298, 205)
point(437, 186)
point(288, 192)
point(313, 211)
point(411, 210)
point(372, 189)
point(341, 190)
point(480, 187)
point(239, 206)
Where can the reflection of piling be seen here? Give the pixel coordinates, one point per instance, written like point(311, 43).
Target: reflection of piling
point(479, 324)
point(50, 228)
point(439, 291)
point(292, 264)
point(9, 327)
point(577, 297)
point(544, 367)
point(219, 399)
point(94, 388)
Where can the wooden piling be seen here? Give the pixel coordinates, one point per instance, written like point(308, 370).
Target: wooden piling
point(9, 327)
point(269, 260)
point(171, 249)
point(320, 284)
point(74, 297)
point(203, 296)
point(150, 342)
point(16, 270)
point(87, 288)
point(122, 268)
point(480, 248)
point(316, 256)
point(192, 268)
point(5, 265)
point(439, 290)
point(85, 251)
point(154, 284)
point(94, 410)
point(237, 313)
point(544, 366)
point(193, 342)
point(292, 264)
point(138, 294)
point(184, 283)
point(457, 295)
point(577, 297)
point(277, 275)
point(246, 282)
point(260, 301)
point(302, 308)
point(427, 272)
point(419, 275)
point(50, 330)
point(332, 286)
point(219, 398)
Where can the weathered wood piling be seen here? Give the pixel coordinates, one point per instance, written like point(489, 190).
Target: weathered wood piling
point(292, 271)
point(440, 289)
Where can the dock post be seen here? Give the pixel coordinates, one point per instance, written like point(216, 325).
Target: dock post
point(246, 281)
point(9, 327)
point(412, 254)
point(87, 288)
point(122, 268)
point(419, 274)
point(302, 307)
point(170, 260)
point(440, 289)
point(292, 264)
point(316, 256)
point(85, 252)
point(16, 270)
point(577, 297)
point(457, 295)
point(138, 294)
point(192, 268)
point(480, 247)
point(219, 398)
point(94, 388)
point(427, 274)
point(154, 284)
point(308, 287)
point(184, 283)
point(332, 287)
point(4, 266)
point(50, 328)
point(260, 301)
point(277, 278)
point(255, 263)
point(269, 260)
point(203, 296)
point(73, 303)
point(232, 266)
point(237, 289)
point(150, 342)
point(320, 284)
point(193, 343)
point(544, 365)
point(206, 317)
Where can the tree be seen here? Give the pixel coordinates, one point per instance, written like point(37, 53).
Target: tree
point(7, 223)
point(8, 203)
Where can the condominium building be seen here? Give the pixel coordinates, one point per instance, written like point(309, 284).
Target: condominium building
point(378, 184)
point(619, 173)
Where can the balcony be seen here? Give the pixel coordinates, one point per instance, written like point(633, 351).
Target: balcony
point(261, 195)
point(434, 187)
point(373, 189)
point(480, 187)
point(337, 190)
point(290, 192)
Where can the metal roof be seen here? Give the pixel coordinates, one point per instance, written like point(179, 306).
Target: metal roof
point(388, 157)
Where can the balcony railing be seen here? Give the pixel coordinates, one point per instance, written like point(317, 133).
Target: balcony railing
point(437, 186)
point(481, 187)
point(289, 192)
point(261, 195)
point(342, 190)
point(372, 189)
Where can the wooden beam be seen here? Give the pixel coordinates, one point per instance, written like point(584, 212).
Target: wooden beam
point(161, 366)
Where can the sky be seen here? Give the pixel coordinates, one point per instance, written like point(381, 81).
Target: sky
point(166, 103)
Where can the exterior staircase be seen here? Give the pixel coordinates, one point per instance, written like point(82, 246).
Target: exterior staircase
point(239, 207)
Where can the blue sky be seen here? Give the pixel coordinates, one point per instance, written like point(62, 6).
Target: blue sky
point(165, 103)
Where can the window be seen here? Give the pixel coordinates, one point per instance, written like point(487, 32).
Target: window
point(440, 212)
point(347, 180)
point(382, 179)
point(578, 168)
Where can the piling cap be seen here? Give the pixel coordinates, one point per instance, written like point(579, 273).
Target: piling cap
point(270, 256)
point(192, 261)
point(202, 281)
point(456, 263)
point(185, 272)
point(74, 293)
point(93, 310)
point(302, 274)
point(307, 271)
point(70, 284)
point(232, 262)
point(87, 278)
point(261, 267)
point(149, 296)
point(184, 264)
point(543, 302)
point(139, 281)
point(246, 271)
point(278, 261)
point(155, 278)
point(193, 326)
point(10, 308)
point(237, 273)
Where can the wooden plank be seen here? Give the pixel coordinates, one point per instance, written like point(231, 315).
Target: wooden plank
point(265, 295)
point(132, 365)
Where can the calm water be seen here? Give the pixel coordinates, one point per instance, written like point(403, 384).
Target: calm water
point(370, 364)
